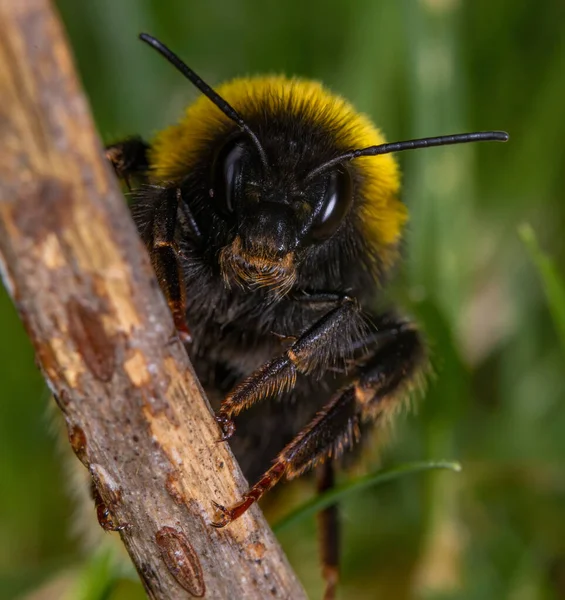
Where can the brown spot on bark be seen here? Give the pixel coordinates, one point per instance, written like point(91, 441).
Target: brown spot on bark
point(258, 549)
point(181, 560)
point(78, 443)
point(90, 338)
point(172, 484)
point(47, 359)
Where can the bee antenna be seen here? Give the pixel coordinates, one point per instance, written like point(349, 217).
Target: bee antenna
point(224, 106)
point(444, 140)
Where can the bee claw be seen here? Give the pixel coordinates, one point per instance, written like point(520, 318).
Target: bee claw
point(185, 337)
point(178, 335)
point(227, 427)
point(224, 516)
point(183, 333)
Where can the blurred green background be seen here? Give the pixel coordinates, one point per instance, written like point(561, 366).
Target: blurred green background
point(497, 404)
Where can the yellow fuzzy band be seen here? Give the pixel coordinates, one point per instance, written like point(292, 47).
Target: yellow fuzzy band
point(178, 147)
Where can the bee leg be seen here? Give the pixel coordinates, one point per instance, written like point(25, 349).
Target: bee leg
point(129, 158)
point(375, 395)
point(309, 352)
point(328, 532)
point(164, 254)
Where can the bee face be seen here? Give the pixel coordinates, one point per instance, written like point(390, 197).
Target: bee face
point(273, 215)
point(275, 211)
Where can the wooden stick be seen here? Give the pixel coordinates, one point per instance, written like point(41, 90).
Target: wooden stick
point(82, 282)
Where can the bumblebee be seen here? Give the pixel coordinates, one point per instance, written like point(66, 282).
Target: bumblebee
point(272, 216)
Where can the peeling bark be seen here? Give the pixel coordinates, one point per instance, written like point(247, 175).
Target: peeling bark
point(71, 259)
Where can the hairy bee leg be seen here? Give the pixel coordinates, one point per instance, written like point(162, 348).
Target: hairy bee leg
point(375, 395)
point(164, 254)
point(279, 375)
point(336, 421)
point(129, 158)
point(328, 532)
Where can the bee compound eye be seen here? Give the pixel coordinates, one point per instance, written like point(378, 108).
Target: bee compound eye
point(227, 175)
point(335, 204)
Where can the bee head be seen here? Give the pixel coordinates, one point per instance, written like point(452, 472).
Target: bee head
point(287, 168)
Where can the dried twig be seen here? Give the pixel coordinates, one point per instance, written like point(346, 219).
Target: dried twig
point(82, 282)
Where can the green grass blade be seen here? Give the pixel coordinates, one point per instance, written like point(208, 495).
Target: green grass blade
point(340, 492)
point(553, 284)
point(97, 577)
